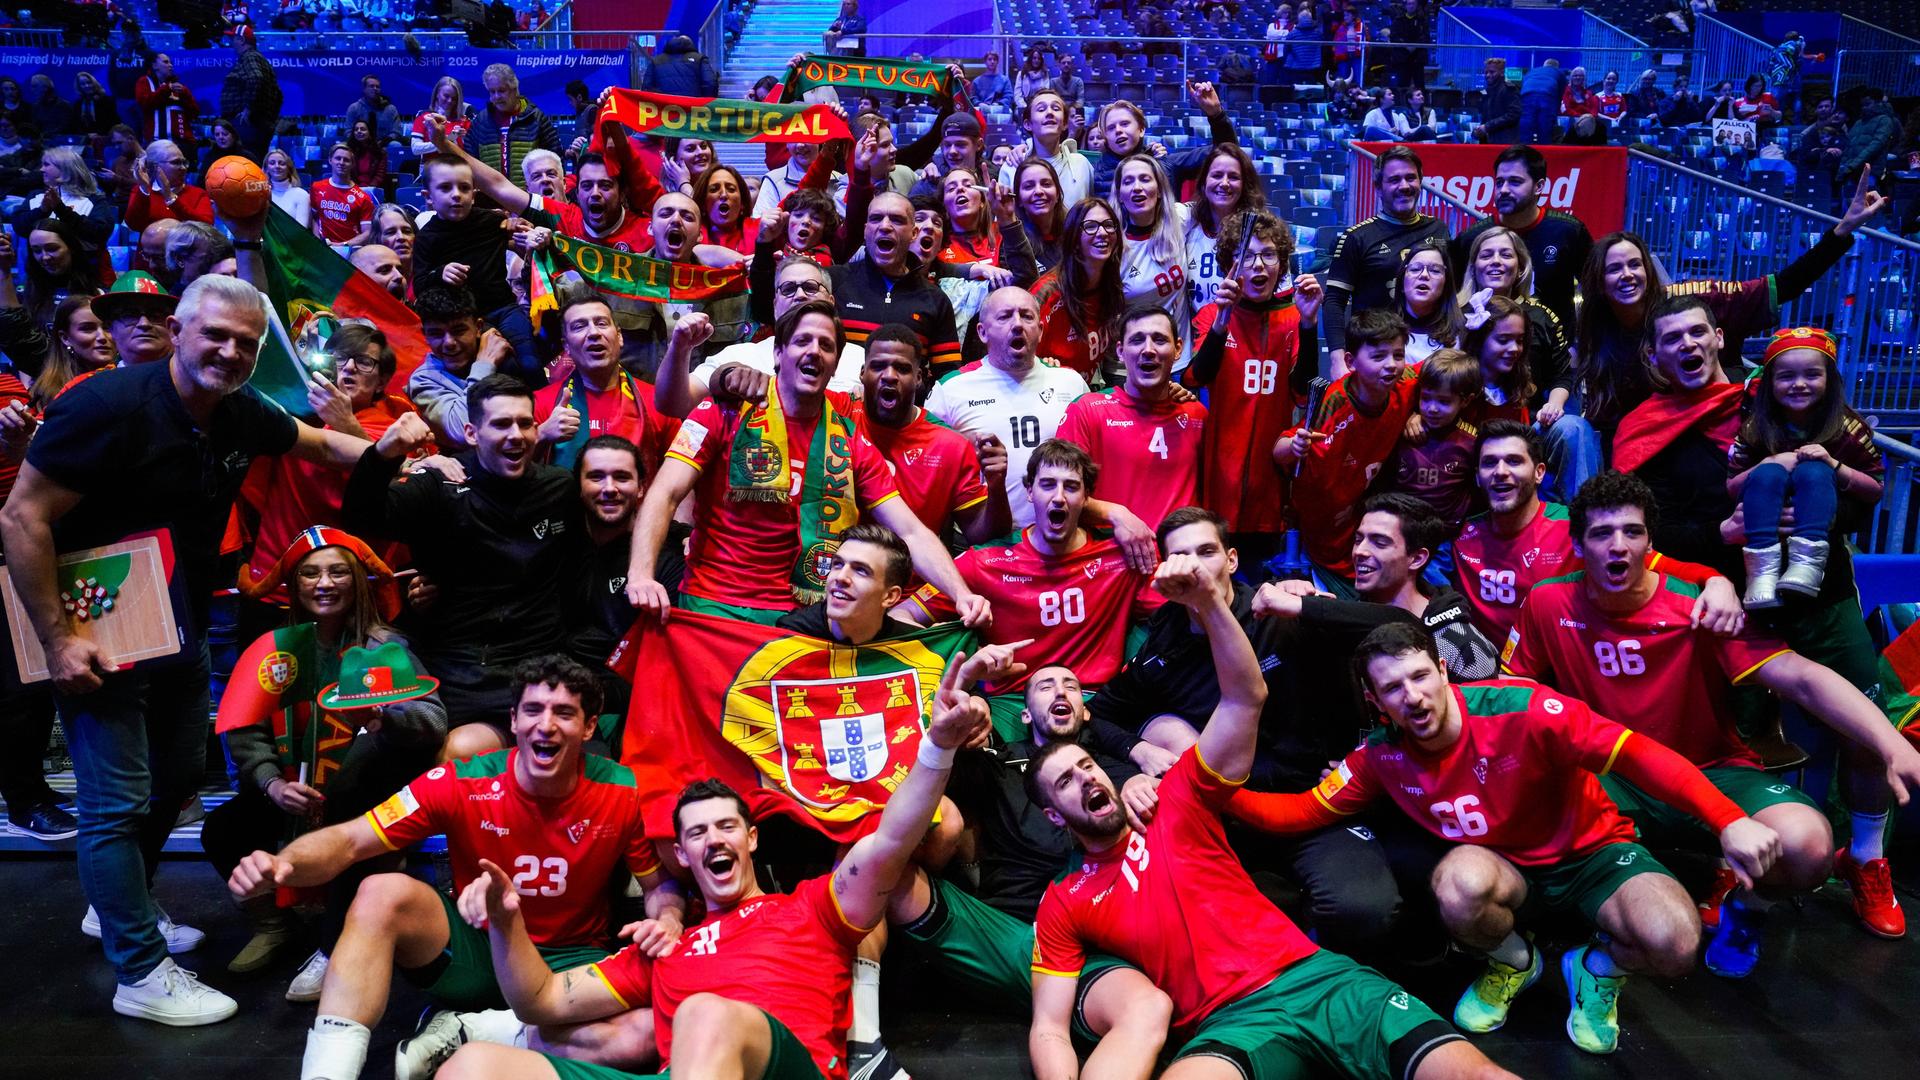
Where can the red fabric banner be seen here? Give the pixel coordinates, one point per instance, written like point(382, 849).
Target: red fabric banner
point(1589, 182)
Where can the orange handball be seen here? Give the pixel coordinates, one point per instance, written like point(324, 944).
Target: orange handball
point(238, 187)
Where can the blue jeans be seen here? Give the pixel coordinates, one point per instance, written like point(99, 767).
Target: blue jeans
point(1573, 455)
point(513, 324)
point(1815, 500)
point(139, 745)
point(1539, 117)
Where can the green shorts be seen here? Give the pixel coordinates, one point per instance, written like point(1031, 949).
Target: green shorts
point(763, 616)
point(1589, 881)
point(1324, 1013)
point(987, 950)
point(462, 977)
point(788, 1060)
point(1751, 789)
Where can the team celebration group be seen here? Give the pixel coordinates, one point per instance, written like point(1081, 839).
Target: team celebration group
point(1467, 628)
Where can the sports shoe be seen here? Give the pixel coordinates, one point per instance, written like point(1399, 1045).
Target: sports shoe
point(1593, 1004)
point(194, 810)
point(179, 938)
point(1723, 883)
point(305, 986)
point(436, 1035)
point(1484, 1006)
point(1873, 899)
point(873, 1061)
point(172, 995)
point(259, 950)
point(44, 821)
point(1735, 949)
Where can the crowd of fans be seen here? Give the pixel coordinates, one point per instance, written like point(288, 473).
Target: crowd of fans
point(1072, 390)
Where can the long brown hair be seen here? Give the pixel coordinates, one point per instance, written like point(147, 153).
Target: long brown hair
point(1252, 195)
point(1090, 302)
point(62, 366)
point(1055, 222)
point(1767, 428)
point(1518, 384)
point(363, 621)
point(1444, 325)
point(1612, 369)
point(705, 180)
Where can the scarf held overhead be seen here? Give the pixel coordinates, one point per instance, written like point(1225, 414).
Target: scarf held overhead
point(868, 73)
point(758, 471)
point(721, 119)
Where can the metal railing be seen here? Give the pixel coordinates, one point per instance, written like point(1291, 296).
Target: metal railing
point(1458, 42)
point(1363, 199)
point(1703, 227)
point(1626, 54)
point(1893, 529)
point(1726, 53)
point(1867, 55)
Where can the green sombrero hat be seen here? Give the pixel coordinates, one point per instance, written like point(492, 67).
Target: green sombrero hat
point(383, 675)
point(133, 292)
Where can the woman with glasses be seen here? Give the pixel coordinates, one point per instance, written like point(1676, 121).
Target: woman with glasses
point(300, 766)
point(1079, 296)
point(1426, 291)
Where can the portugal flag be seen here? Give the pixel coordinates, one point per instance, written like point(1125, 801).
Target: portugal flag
point(310, 285)
point(808, 729)
point(1899, 690)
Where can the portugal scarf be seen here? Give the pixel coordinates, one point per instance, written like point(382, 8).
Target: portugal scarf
point(868, 73)
point(579, 396)
point(1660, 421)
point(757, 471)
point(719, 119)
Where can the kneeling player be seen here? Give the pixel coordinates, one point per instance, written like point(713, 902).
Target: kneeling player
point(758, 990)
point(1253, 997)
point(1508, 770)
point(563, 821)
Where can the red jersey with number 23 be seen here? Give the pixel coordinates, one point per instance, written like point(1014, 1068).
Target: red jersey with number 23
point(1075, 607)
point(1650, 664)
point(560, 852)
point(1175, 901)
point(789, 955)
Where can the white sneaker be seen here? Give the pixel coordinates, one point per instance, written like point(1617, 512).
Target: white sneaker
point(305, 986)
point(172, 995)
point(438, 1034)
point(179, 938)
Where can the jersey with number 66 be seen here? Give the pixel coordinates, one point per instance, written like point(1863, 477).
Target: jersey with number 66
point(1075, 608)
point(1174, 901)
point(1148, 451)
point(1022, 412)
point(560, 852)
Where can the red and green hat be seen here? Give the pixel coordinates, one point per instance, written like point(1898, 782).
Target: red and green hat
point(1801, 337)
point(386, 591)
point(133, 292)
point(382, 675)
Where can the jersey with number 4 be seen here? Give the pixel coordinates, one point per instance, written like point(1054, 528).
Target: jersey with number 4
point(1148, 451)
point(789, 955)
point(1650, 664)
point(1174, 901)
point(560, 852)
point(1075, 607)
point(1022, 411)
point(1523, 779)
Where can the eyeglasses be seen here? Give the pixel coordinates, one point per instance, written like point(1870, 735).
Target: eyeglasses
point(810, 287)
point(365, 364)
point(1091, 227)
point(1261, 258)
point(337, 574)
point(1427, 271)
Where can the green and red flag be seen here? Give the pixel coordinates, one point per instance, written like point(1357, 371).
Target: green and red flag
point(720, 119)
point(311, 288)
point(867, 73)
point(1899, 688)
point(630, 275)
point(807, 729)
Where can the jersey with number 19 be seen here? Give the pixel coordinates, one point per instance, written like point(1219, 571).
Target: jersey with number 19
point(560, 852)
point(1023, 411)
point(1174, 900)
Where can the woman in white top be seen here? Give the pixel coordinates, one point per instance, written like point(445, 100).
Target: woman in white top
point(1426, 288)
point(288, 193)
point(1228, 185)
point(1046, 126)
point(1153, 255)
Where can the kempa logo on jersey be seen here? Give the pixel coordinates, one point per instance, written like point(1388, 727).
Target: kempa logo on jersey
point(488, 826)
point(1477, 191)
point(1118, 423)
point(1570, 624)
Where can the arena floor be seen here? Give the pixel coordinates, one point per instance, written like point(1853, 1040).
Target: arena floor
point(1828, 1001)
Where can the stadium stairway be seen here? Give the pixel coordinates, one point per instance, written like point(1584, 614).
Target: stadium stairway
point(774, 32)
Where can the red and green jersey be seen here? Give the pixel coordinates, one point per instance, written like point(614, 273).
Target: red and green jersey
point(743, 550)
point(560, 852)
point(12, 390)
point(341, 210)
point(1074, 607)
point(1337, 472)
point(1250, 401)
point(1173, 900)
point(1523, 779)
point(1149, 452)
point(626, 409)
point(634, 232)
point(1650, 664)
point(935, 467)
point(789, 955)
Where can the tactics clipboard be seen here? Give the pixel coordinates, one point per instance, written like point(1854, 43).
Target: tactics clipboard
point(123, 596)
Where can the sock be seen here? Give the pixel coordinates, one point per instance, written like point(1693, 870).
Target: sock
point(336, 1049)
point(1600, 962)
point(866, 1001)
point(1513, 952)
point(494, 1026)
point(1869, 833)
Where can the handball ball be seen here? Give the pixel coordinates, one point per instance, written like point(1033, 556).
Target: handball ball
point(238, 187)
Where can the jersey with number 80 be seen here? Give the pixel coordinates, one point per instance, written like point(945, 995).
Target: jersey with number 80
point(560, 854)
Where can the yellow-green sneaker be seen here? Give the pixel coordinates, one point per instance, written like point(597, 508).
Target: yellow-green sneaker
point(1484, 1006)
point(1593, 1015)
